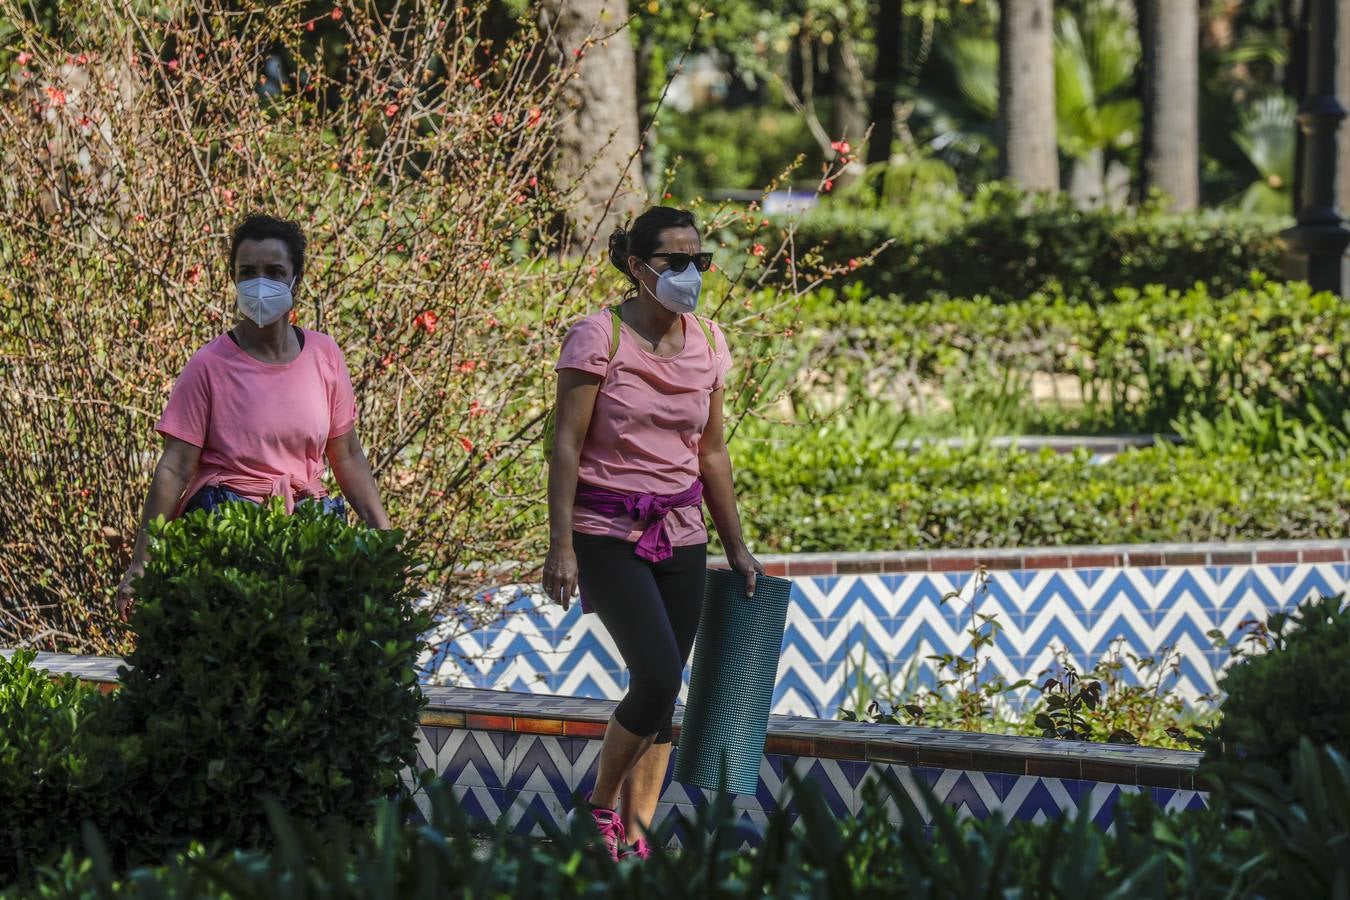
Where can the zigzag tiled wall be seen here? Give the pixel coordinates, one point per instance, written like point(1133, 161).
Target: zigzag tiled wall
point(886, 613)
point(533, 779)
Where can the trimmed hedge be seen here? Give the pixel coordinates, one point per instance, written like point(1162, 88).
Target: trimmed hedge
point(275, 656)
point(834, 489)
point(1007, 247)
point(1143, 360)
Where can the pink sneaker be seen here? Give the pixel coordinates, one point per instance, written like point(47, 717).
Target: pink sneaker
point(640, 850)
point(609, 825)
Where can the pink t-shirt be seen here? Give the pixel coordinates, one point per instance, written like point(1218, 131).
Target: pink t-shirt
point(262, 427)
point(649, 417)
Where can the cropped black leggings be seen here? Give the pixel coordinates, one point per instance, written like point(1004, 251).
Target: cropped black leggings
point(651, 610)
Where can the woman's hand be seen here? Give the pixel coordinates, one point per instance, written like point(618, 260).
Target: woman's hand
point(741, 561)
point(560, 575)
point(126, 593)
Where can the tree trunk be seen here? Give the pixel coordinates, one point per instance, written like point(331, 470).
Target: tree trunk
point(597, 154)
point(1028, 155)
point(885, 80)
point(1169, 31)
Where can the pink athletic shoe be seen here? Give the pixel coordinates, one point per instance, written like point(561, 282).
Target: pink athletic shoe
point(640, 850)
point(610, 826)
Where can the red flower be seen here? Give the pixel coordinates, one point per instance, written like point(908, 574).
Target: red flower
point(81, 60)
point(757, 250)
point(828, 185)
point(476, 409)
point(24, 58)
point(498, 119)
point(391, 110)
point(336, 14)
point(57, 96)
point(309, 26)
point(853, 264)
point(426, 321)
point(532, 118)
point(840, 147)
point(534, 182)
point(194, 274)
point(467, 366)
point(476, 83)
point(466, 444)
point(487, 264)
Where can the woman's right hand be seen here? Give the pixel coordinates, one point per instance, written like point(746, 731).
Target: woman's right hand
point(126, 593)
point(560, 575)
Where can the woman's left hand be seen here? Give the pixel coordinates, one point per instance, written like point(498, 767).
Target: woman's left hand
point(741, 561)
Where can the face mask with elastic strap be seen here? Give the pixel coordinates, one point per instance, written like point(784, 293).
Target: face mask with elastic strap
point(550, 419)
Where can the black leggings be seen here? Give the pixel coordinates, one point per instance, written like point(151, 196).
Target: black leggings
point(651, 610)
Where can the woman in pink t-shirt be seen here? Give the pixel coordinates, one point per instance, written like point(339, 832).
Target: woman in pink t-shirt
point(255, 412)
point(638, 445)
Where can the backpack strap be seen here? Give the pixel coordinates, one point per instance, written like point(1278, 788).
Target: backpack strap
point(707, 333)
point(617, 323)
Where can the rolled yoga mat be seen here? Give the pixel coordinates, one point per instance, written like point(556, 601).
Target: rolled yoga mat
point(731, 685)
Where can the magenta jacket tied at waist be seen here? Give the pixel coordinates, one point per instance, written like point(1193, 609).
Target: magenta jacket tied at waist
point(648, 510)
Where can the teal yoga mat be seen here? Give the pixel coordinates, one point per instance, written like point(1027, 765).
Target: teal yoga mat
point(731, 685)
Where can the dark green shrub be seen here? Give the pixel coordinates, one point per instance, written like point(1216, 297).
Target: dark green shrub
point(275, 657)
point(1300, 688)
point(1007, 248)
point(58, 765)
point(275, 654)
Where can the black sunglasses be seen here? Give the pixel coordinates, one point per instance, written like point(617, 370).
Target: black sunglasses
point(678, 262)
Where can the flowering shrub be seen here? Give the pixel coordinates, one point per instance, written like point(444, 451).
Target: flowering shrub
point(414, 148)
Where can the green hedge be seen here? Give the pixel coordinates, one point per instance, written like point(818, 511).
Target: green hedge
point(1267, 837)
point(1007, 248)
point(275, 656)
point(1143, 360)
point(836, 489)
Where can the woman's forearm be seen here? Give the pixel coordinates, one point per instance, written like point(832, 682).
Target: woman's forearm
point(562, 494)
point(166, 489)
point(720, 495)
point(357, 482)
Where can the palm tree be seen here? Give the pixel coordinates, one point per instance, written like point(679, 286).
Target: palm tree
point(1266, 135)
point(1027, 152)
point(1170, 33)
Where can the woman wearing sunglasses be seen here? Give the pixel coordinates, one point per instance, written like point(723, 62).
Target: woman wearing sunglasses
point(638, 447)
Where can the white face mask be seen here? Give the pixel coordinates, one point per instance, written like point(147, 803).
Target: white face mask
point(678, 291)
point(263, 300)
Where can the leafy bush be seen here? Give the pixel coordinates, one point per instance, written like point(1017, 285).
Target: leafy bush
point(1007, 247)
point(1300, 688)
point(1138, 363)
point(276, 655)
point(832, 488)
point(1284, 832)
point(58, 765)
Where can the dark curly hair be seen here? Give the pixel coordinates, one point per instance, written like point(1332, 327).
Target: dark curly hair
point(259, 227)
point(644, 235)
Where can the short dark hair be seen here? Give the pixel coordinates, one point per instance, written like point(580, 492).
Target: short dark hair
point(260, 227)
point(644, 236)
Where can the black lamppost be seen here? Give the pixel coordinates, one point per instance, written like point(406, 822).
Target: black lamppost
point(1317, 243)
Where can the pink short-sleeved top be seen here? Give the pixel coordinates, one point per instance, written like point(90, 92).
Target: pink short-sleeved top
point(261, 427)
point(649, 417)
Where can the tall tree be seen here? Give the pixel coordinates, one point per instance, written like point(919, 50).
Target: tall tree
point(1026, 94)
point(886, 79)
point(597, 149)
point(1170, 34)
